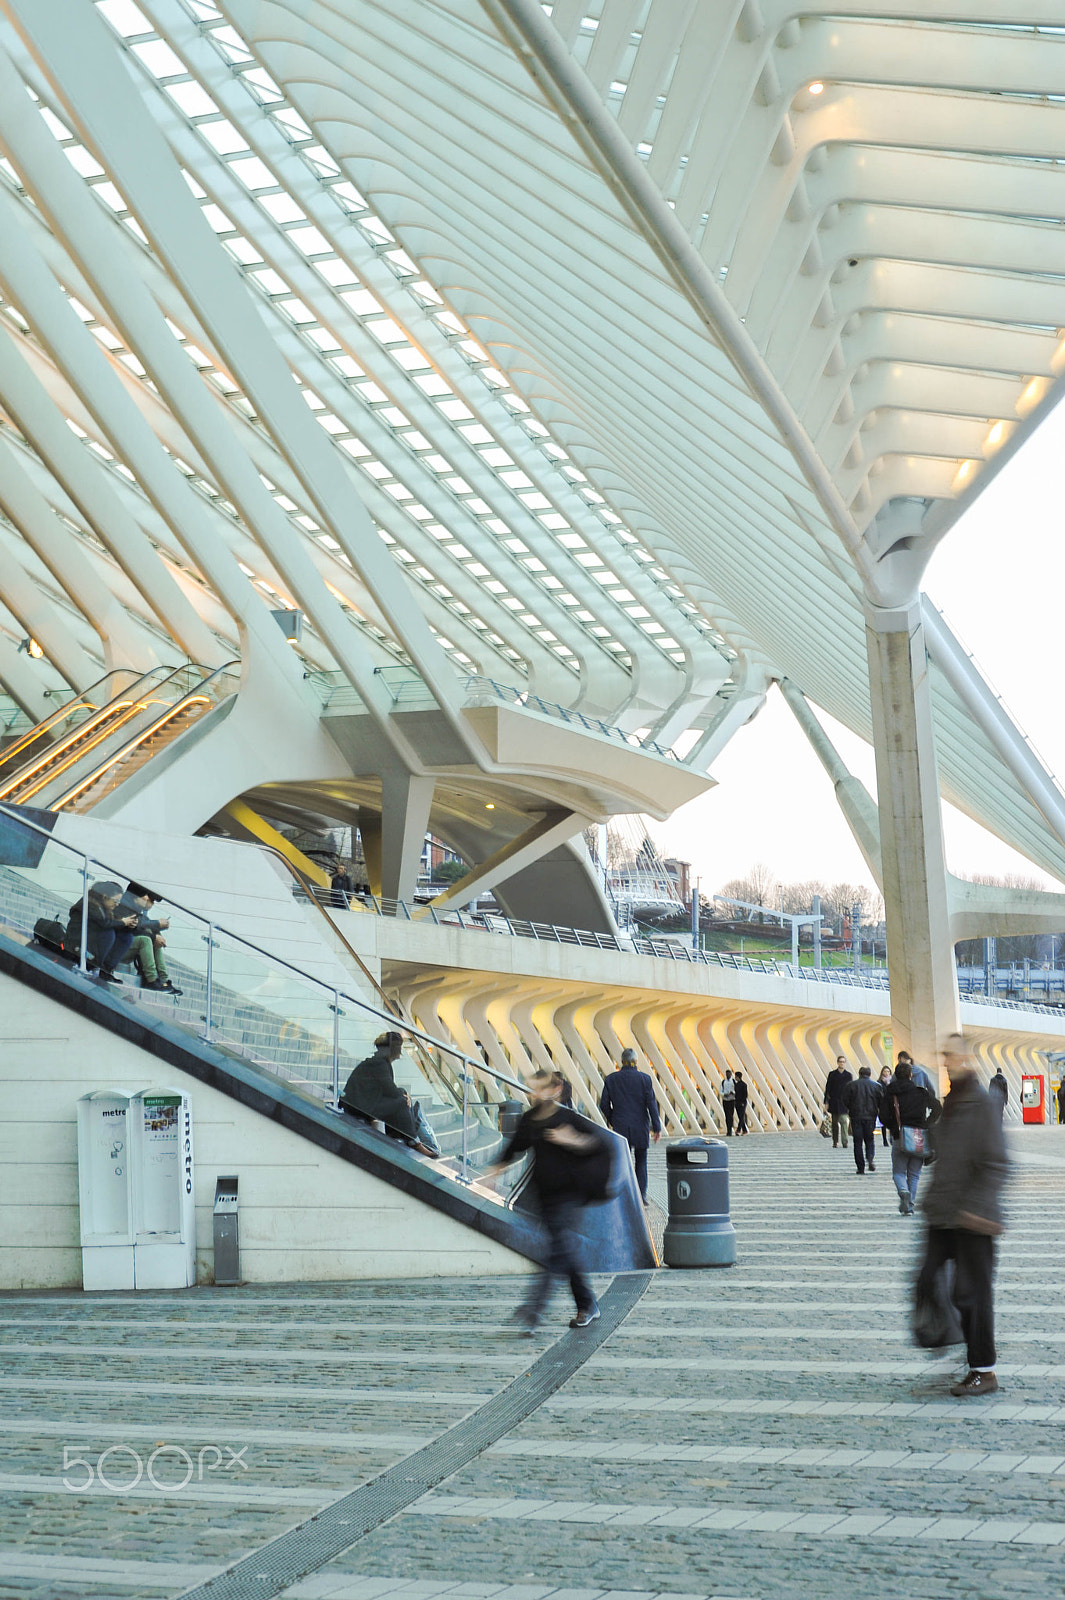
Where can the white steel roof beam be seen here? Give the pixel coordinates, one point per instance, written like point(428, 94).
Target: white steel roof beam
point(79, 57)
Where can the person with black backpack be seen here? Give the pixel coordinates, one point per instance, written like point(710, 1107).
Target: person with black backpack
point(571, 1165)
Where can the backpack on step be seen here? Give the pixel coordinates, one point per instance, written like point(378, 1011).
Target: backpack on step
point(50, 933)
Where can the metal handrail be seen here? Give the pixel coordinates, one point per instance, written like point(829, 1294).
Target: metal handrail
point(126, 700)
point(334, 993)
point(63, 711)
point(169, 711)
point(560, 713)
point(499, 923)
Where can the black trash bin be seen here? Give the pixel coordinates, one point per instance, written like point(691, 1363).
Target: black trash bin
point(699, 1232)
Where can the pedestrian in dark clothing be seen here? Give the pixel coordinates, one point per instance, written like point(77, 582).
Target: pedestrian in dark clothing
point(908, 1105)
point(559, 1144)
point(109, 935)
point(885, 1079)
point(919, 1074)
point(341, 886)
point(372, 1094)
point(963, 1207)
point(999, 1091)
point(741, 1105)
point(728, 1100)
point(862, 1100)
point(628, 1106)
point(835, 1104)
point(148, 942)
point(1061, 1101)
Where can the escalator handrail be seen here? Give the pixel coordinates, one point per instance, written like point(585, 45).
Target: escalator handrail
point(168, 711)
point(64, 744)
point(62, 711)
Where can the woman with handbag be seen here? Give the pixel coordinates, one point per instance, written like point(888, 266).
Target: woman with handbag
point(909, 1110)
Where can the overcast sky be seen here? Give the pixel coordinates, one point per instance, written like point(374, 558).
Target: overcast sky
point(999, 579)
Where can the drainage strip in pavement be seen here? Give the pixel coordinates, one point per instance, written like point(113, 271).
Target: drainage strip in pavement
point(312, 1544)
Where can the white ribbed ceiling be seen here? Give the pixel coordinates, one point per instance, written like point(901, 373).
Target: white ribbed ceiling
point(623, 396)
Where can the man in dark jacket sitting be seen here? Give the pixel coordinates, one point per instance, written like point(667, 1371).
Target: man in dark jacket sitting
point(963, 1207)
point(862, 1100)
point(628, 1106)
point(373, 1095)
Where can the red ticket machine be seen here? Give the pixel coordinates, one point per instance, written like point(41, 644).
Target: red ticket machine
point(1033, 1099)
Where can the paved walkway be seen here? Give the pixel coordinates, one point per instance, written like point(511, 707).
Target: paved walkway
point(763, 1433)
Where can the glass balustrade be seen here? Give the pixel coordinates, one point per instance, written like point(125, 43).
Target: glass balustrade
point(294, 1026)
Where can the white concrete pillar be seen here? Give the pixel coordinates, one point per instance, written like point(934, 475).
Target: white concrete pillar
point(405, 804)
point(924, 994)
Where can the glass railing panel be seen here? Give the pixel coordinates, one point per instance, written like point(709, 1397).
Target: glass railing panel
point(273, 1015)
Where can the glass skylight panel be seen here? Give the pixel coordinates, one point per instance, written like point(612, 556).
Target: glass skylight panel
point(257, 176)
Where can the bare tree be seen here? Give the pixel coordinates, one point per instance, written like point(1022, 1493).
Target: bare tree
point(758, 886)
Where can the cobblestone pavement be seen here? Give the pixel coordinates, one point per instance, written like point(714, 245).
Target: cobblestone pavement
point(761, 1433)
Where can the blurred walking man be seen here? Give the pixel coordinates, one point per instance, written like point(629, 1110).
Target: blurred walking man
point(561, 1149)
point(963, 1207)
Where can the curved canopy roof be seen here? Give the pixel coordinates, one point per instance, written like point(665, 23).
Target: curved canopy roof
point(627, 317)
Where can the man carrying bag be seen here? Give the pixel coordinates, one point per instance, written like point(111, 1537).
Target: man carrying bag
point(963, 1207)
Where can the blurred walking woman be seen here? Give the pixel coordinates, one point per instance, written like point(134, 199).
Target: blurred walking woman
point(909, 1110)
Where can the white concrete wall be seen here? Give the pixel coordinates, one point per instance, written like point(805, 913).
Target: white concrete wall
point(305, 1215)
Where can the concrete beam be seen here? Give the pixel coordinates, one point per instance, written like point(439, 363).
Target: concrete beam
point(552, 829)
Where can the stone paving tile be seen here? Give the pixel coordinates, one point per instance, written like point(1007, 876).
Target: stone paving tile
point(791, 1414)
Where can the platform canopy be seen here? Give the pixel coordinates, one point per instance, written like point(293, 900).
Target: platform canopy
point(647, 329)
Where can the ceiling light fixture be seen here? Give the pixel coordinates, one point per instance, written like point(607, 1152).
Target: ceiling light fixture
point(817, 87)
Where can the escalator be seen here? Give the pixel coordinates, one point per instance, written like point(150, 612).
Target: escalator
point(83, 751)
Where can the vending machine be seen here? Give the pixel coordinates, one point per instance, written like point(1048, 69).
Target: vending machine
point(164, 1232)
point(1033, 1100)
point(105, 1189)
point(135, 1189)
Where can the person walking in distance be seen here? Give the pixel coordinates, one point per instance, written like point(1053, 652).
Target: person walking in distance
point(999, 1090)
point(963, 1208)
point(741, 1104)
point(559, 1144)
point(835, 1103)
point(910, 1109)
point(1061, 1100)
point(885, 1079)
point(862, 1100)
point(628, 1106)
point(728, 1100)
point(920, 1075)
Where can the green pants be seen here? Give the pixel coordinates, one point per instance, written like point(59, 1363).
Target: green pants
point(149, 958)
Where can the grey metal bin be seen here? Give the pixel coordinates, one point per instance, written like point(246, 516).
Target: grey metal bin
point(226, 1232)
point(699, 1232)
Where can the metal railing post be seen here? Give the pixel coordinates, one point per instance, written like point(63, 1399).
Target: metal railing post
point(465, 1120)
point(336, 1048)
point(83, 959)
point(207, 1020)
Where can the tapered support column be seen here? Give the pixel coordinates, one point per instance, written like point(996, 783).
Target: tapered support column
point(405, 804)
point(924, 993)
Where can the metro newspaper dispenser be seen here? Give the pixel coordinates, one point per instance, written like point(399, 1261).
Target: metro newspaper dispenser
point(135, 1182)
point(105, 1189)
